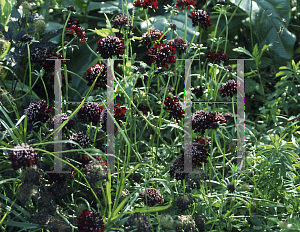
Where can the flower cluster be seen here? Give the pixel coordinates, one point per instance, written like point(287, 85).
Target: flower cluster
point(185, 3)
point(228, 89)
point(90, 112)
point(162, 55)
point(54, 177)
point(22, 156)
point(146, 3)
point(153, 197)
point(175, 107)
point(51, 78)
point(202, 120)
point(216, 57)
point(90, 221)
point(155, 35)
point(99, 70)
point(60, 119)
point(200, 17)
point(38, 111)
point(138, 222)
point(79, 138)
point(110, 46)
point(122, 20)
point(119, 114)
point(48, 65)
point(38, 54)
point(179, 44)
point(74, 26)
point(96, 170)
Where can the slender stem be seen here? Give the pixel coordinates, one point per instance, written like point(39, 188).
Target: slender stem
point(185, 21)
point(29, 65)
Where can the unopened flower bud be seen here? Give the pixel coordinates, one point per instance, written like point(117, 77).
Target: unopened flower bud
point(26, 8)
point(40, 26)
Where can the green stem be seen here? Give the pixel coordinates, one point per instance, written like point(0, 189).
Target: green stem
point(215, 33)
point(29, 65)
point(185, 21)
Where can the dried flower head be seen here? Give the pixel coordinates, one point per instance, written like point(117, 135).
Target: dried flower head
point(40, 26)
point(186, 223)
point(184, 201)
point(33, 174)
point(96, 170)
point(138, 222)
point(167, 222)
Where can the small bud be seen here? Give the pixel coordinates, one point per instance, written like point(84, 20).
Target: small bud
point(173, 26)
point(26, 8)
point(142, 70)
point(40, 26)
point(71, 8)
point(167, 222)
point(215, 125)
point(230, 188)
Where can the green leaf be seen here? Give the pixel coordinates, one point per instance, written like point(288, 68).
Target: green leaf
point(267, 17)
point(243, 50)
point(110, 6)
point(104, 31)
point(81, 4)
point(6, 8)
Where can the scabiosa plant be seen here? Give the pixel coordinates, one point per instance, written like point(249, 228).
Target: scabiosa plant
point(178, 165)
point(179, 44)
point(110, 46)
point(200, 17)
point(186, 223)
point(38, 54)
point(96, 170)
point(38, 111)
point(48, 65)
point(175, 107)
point(99, 70)
point(182, 3)
point(146, 3)
point(89, 221)
point(216, 57)
point(228, 89)
point(138, 222)
point(23, 156)
point(155, 36)
point(124, 21)
point(184, 201)
point(73, 26)
point(198, 151)
point(79, 138)
point(90, 112)
point(33, 174)
point(119, 114)
point(163, 55)
point(60, 119)
point(153, 197)
point(51, 78)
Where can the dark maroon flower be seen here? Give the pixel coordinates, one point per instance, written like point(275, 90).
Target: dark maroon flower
point(85, 159)
point(173, 26)
point(231, 188)
point(73, 26)
point(79, 138)
point(38, 54)
point(38, 111)
point(198, 91)
point(60, 119)
point(90, 221)
point(182, 3)
point(51, 78)
point(180, 45)
point(153, 197)
point(122, 20)
point(178, 165)
point(110, 46)
point(202, 120)
point(162, 55)
point(229, 68)
point(93, 72)
point(61, 177)
point(90, 112)
point(155, 36)
point(175, 107)
point(146, 3)
point(48, 65)
point(23, 156)
point(200, 16)
point(216, 57)
point(219, 118)
point(143, 108)
point(119, 114)
point(139, 82)
point(71, 8)
point(229, 116)
point(228, 89)
point(198, 151)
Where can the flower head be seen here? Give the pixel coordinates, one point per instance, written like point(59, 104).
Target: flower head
point(186, 223)
point(90, 221)
point(184, 201)
point(202, 120)
point(96, 170)
point(228, 89)
point(73, 26)
point(33, 174)
point(178, 165)
point(153, 197)
point(155, 35)
point(119, 115)
point(90, 112)
point(200, 16)
point(162, 55)
point(38, 111)
point(122, 20)
point(182, 3)
point(216, 57)
point(60, 119)
point(138, 222)
point(198, 151)
point(180, 45)
point(23, 156)
point(167, 222)
point(175, 108)
point(146, 3)
point(48, 65)
point(79, 138)
point(99, 70)
point(110, 46)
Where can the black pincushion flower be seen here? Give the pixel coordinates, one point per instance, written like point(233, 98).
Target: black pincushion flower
point(37, 54)
point(178, 165)
point(153, 197)
point(202, 120)
point(60, 119)
point(110, 46)
point(146, 3)
point(48, 65)
point(175, 108)
point(79, 138)
point(155, 35)
point(198, 151)
point(182, 3)
point(216, 57)
point(99, 70)
point(179, 44)
point(38, 111)
point(90, 112)
point(119, 115)
point(228, 89)
point(163, 55)
point(73, 26)
point(200, 17)
point(90, 221)
point(23, 156)
point(96, 170)
point(122, 20)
